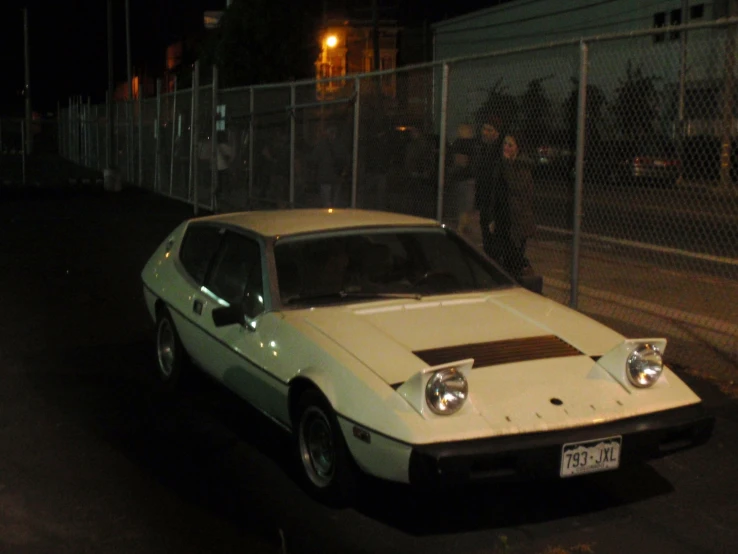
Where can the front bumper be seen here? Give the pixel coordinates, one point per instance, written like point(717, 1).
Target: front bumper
point(538, 455)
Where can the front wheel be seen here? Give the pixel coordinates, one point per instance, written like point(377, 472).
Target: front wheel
point(329, 470)
point(170, 354)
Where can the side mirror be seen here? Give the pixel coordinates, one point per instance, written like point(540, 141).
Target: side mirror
point(533, 283)
point(228, 315)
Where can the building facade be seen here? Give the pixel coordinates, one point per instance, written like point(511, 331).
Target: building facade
point(347, 48)
point(554, 70)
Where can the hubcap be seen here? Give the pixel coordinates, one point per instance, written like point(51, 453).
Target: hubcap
point(165, 348)
point(316, 447)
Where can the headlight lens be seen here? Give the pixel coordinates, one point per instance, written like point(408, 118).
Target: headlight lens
point(644, 366)
point(446, 391)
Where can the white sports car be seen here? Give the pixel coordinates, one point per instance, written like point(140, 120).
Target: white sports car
point(388, 344)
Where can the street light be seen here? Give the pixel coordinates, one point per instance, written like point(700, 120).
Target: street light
point(331, 41)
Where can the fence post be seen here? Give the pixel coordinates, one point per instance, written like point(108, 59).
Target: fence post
point(78, 107)
point(80, 130)
point(579, 174)
point(23, 149)
point(140, 136)
point(194, 147)
point(117, 135)
point(98, 165)
point(70, 155)
point(293, 115)
point(130, 157)
point(89, 132)
point(109, 129)
point(58, 131)
point(442, 143)
point(355, 151)
point(129, 123)
point(213, 142)
point(76, 129)
point(728, 119)
point(70, 129)
point(251, 142)
point(157, 138)
point(175, 121)
point(81, 119)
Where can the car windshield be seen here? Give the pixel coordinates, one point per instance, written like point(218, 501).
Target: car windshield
point(380, 263)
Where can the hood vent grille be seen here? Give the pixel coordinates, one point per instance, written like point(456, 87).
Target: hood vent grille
point(501, 351)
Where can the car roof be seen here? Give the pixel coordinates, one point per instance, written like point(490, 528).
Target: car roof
point(275, 223)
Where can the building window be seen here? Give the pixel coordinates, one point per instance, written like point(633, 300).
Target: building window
point(696, 12)
point(675, 19)
point(659, 20)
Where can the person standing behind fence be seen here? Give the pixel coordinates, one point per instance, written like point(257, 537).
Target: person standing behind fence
point(487, 170)
point(420, 165)
point(331, 167)
point(461, 179)
point(224, 156)
point(515, 223)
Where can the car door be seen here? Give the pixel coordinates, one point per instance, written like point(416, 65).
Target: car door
point(186, 298)
point(241, 354)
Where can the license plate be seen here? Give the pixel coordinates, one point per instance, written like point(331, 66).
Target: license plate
point(578, 458)
point(659, 163)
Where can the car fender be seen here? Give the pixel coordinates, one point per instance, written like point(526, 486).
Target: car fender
point(320, 380)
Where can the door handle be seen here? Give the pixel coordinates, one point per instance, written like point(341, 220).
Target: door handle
point(197, 306)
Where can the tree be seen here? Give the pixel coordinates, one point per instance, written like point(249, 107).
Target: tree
point(636, 104)
point(261, 41)
point(596, 101)
point(499, 103)
point(536, 126)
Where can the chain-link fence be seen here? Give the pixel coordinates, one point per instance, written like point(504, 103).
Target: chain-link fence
point(608, 165)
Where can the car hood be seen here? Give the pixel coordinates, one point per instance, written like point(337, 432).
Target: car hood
point(396, 339)
point(536, 365)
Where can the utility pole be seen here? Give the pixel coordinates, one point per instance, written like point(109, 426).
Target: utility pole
point(681, 126)
point(128, 50)
point(129, 111)
point(728, 98)
point(28, 137)
point(683, 63)
point(109, 174)
point(375, 34)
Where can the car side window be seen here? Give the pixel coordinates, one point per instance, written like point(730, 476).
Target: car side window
point(236, 275)
point(199, 245)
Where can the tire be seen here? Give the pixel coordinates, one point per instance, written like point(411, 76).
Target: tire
point(329, 472)
point(171, 357)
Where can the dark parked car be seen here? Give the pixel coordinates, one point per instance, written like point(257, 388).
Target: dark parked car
point(652, 160)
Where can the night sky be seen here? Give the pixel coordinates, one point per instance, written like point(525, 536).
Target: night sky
point(68, 40)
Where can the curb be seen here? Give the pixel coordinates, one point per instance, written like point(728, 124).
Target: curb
point(70, 181)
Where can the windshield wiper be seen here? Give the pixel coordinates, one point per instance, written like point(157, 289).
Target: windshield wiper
point(341, 294)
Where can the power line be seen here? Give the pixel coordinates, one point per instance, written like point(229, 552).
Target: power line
point(531, 18)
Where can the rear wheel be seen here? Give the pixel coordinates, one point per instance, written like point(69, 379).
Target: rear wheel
point(170, 354)
point(329, 471)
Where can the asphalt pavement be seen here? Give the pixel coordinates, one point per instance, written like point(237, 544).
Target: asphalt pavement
point(94, 459)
